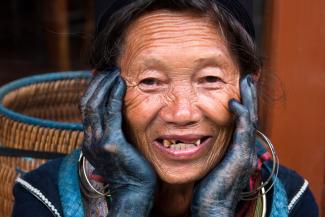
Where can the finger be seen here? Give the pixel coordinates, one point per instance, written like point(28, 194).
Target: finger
point(254, 112)
point(95, 106)
point(248, 96)
point(113, 121)
point(90, 91)
point(244, 134)
point(237, 160)
point(243, 124)
point(245, 91)
point(84, 100)
point(116, 141)
point(237, 108)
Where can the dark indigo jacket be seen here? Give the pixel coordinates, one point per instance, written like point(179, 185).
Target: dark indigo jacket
point(53, 190)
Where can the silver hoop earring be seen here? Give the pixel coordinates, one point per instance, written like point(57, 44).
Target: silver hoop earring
point(260, 191)
point(87, 188)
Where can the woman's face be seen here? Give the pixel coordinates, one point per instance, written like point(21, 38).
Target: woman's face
point(180, 76)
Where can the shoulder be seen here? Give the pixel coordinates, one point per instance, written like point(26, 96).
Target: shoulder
point(36, 189)
point(300, 199)
point(301, 202)
point(45, 173)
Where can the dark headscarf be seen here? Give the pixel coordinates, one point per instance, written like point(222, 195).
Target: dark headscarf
point(240, 9)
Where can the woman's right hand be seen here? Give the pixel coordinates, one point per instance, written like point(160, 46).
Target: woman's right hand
point(131, 178)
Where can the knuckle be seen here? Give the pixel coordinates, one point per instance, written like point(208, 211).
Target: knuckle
point(254, 119)
point(91, 109)
point(116, 102)
point(83, 107)
point(115, 105)
point(83, 104)
point(84, 98)
point(93, 106)
point(110, 148)
point(245, 113)
point(114, 117)
point(98, 133)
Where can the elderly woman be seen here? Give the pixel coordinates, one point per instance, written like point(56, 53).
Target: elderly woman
point(170, 123)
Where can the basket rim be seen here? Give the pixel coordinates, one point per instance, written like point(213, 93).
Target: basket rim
point(34, 79)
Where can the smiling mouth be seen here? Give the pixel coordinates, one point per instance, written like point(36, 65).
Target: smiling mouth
point(181, 144)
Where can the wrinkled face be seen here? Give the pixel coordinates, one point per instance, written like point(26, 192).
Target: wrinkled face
point(180, 77)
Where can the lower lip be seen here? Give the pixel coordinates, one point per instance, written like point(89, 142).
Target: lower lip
point(183, 154)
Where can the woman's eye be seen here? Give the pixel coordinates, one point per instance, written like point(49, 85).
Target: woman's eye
point(210, 79)
point(149, 81)
point(211, 82)
point(150, 84)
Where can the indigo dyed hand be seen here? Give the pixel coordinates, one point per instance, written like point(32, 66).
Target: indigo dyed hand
point(131, 178)
point(218, 193)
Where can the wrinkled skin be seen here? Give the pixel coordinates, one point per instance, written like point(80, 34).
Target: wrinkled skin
point(172, 91)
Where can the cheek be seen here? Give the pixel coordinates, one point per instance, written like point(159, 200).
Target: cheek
point(140, 110)
point(214, 103)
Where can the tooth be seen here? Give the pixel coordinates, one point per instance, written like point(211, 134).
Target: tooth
point(166, 143)
point(198, 142)
point(173, 141)
point(182, 146)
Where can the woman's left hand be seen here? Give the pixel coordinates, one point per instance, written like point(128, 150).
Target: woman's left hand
point(219, 192)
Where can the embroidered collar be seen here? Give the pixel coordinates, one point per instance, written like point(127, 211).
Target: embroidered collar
point(69, 188)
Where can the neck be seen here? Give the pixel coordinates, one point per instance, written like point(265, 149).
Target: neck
point(173, 200)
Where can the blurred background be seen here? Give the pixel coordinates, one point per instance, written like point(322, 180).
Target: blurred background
point(44, 36)
point(41, 36)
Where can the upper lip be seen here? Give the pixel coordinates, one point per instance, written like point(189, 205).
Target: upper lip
point(187, 138)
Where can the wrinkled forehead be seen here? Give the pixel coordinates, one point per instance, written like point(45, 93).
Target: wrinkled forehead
point(164, 24)
point(163, 33)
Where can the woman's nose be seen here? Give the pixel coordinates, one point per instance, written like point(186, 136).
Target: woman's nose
point(181, 110)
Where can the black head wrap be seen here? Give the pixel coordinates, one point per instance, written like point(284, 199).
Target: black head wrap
point(240, 9)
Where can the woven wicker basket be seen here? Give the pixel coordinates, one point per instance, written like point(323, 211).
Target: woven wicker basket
point(39, 120)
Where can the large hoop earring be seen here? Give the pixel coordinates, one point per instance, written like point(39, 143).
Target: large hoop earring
point(260, 191)
point(87, 188)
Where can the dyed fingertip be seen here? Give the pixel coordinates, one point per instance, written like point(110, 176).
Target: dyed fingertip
point(246, 80)
point(249, 79)
point(236, 108)
point(231, 101)
point(113, 71)
point(121, 80)
point(117, 96)
point(232, 104)
point(120, 88)
point(251, 82)
point(96, 80)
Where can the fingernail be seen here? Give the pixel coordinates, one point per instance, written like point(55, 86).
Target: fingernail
point(230, 102)
point(249, 80)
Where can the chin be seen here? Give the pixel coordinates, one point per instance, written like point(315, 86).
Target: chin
point(181, 175)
